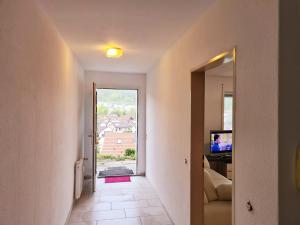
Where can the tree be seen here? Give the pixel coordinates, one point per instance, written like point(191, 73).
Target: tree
point(102, 110)
point(118, 112)
point(132, 112)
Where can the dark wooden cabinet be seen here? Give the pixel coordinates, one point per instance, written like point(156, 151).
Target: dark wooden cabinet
point(222, 165)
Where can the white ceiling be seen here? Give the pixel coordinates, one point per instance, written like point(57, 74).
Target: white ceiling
point(223, 70)
point(143, 28)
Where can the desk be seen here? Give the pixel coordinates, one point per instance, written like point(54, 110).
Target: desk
point(221, 164)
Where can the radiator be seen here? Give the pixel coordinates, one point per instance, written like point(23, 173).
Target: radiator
point(78, 178)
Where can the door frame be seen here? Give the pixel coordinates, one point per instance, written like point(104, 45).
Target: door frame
point(137, 118)
point(197, 135)
point(94, 145)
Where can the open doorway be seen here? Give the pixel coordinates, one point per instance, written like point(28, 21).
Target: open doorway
point(212, 141)
point(116, 132)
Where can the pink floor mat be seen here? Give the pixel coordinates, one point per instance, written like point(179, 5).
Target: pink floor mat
point(117, 179)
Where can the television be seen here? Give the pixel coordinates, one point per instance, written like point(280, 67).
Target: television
point(220, 141)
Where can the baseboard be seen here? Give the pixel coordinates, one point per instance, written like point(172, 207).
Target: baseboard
point(164, 207)
point(168, 215)
point(69, 214)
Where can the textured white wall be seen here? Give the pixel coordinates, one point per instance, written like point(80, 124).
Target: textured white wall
point(41, 118)
point(116, 80)
point(252, 26)
point(213, 105)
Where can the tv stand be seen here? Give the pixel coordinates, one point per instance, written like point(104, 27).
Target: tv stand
point(221, 163)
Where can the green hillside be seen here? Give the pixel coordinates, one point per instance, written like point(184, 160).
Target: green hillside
point(118, 97)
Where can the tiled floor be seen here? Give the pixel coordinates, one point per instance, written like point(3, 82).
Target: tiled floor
point(132, 203)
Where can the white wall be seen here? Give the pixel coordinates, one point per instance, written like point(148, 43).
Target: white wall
point(215, 87)
point(289, 111)
point(116, 80)
point(41, 118)
point(252, 26)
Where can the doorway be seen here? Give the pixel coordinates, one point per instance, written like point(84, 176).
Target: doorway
point(116, 132)
point(212, 141)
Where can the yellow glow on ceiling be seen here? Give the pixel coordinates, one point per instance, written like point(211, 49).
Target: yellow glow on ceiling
point(114, 52)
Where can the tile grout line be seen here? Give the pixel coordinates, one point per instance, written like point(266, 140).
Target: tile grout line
point(141, 220)
point(125, 212)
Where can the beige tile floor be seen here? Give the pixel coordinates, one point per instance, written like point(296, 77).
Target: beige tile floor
point(130, 203)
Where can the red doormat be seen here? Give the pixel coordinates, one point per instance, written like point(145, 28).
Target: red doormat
point(117, 179)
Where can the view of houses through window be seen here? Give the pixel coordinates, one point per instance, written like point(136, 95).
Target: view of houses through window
point(116, 132)
point(228, 107)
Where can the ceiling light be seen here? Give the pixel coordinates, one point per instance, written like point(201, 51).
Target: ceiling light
point(114, 52)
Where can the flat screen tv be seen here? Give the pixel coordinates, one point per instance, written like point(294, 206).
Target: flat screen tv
point(220, 141)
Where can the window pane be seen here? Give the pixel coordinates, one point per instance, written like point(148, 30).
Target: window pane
point(228, 100)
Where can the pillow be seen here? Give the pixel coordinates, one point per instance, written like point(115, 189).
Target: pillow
point(224, 192)
point(206, 163)
point(209, 188)
point(205, 199)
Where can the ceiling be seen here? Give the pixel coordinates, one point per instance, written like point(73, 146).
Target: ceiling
point(223, 70)
point(145, 29)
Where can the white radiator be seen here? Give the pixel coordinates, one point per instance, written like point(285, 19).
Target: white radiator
point(78, 178)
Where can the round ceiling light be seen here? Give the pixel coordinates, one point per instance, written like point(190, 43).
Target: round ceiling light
point(114, 52)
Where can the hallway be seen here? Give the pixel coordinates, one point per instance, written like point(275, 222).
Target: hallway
point(134, 203)
point(54, 56)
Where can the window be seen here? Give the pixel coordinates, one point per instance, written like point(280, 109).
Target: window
point(227, 111)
